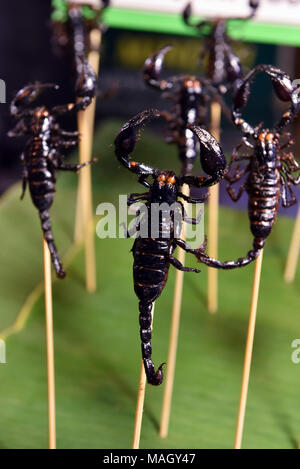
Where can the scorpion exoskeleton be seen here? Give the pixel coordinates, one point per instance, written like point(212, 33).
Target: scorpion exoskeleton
point(224, 67)
point(153, 254)
point(191, 96)
point(44, 151)
point(269, 169)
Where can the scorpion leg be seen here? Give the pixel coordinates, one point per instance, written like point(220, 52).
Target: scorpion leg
point(191, 200)
point(237, 175)
point(65, 133)
point(145, 319)
point(177, 264)
point(19, 130)
point(136, 197)
point(233, 195)
point(75, 167)
point(187, 219)
point(24, 182)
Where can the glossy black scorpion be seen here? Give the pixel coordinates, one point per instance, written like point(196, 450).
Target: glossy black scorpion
point(269, 169)
point(223, 66)
point(154, 254)
point(45, 147)
point(191, 96)
point(72, 41)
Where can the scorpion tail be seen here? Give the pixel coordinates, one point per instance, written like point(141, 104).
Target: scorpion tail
point(153, 377)
point(48, 235)
point(258, 244)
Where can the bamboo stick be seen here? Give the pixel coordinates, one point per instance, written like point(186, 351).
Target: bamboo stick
point(173, 344)
point(248, 353)
point(140, 402)
point(293, 255)
point(213, 218)
point(84, 210)
point(49, 346)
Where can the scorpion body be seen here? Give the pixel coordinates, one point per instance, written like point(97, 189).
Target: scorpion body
point(190, 96)
point(44, 150)
point(269, 170)
point(153, 252)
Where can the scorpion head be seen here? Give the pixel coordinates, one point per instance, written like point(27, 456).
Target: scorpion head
point(165, 187)
point(191, 91)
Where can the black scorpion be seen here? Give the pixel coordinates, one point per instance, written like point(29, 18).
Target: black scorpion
point(270, 167)
point(223, 67)
point(191, 96)
point(154, 254)
point(45, 147)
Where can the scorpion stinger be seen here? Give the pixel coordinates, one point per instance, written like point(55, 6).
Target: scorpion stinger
point(152, 69)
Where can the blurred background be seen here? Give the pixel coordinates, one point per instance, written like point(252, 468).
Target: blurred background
point(27, 55)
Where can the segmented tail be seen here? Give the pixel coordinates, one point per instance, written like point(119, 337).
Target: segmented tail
point(258, 244)
point(46, 227)
point(153, 377)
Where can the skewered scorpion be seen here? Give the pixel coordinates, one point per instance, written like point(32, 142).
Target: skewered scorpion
point(191, 96)
point(43, 153)
point(72, 38)
point(153, 255)
point(224, 66)
point(269, 170)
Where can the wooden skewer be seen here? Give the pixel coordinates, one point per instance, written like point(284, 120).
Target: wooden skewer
point(173, 344)
point(213, 217)
point(50, 346)
point(140, 402)
point(293, 255)
point(248, 353)
point(84, 211)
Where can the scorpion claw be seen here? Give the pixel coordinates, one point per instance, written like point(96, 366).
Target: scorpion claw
point(152, 69)
point(28, 94)
point(212, 158)
point(127, 138)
